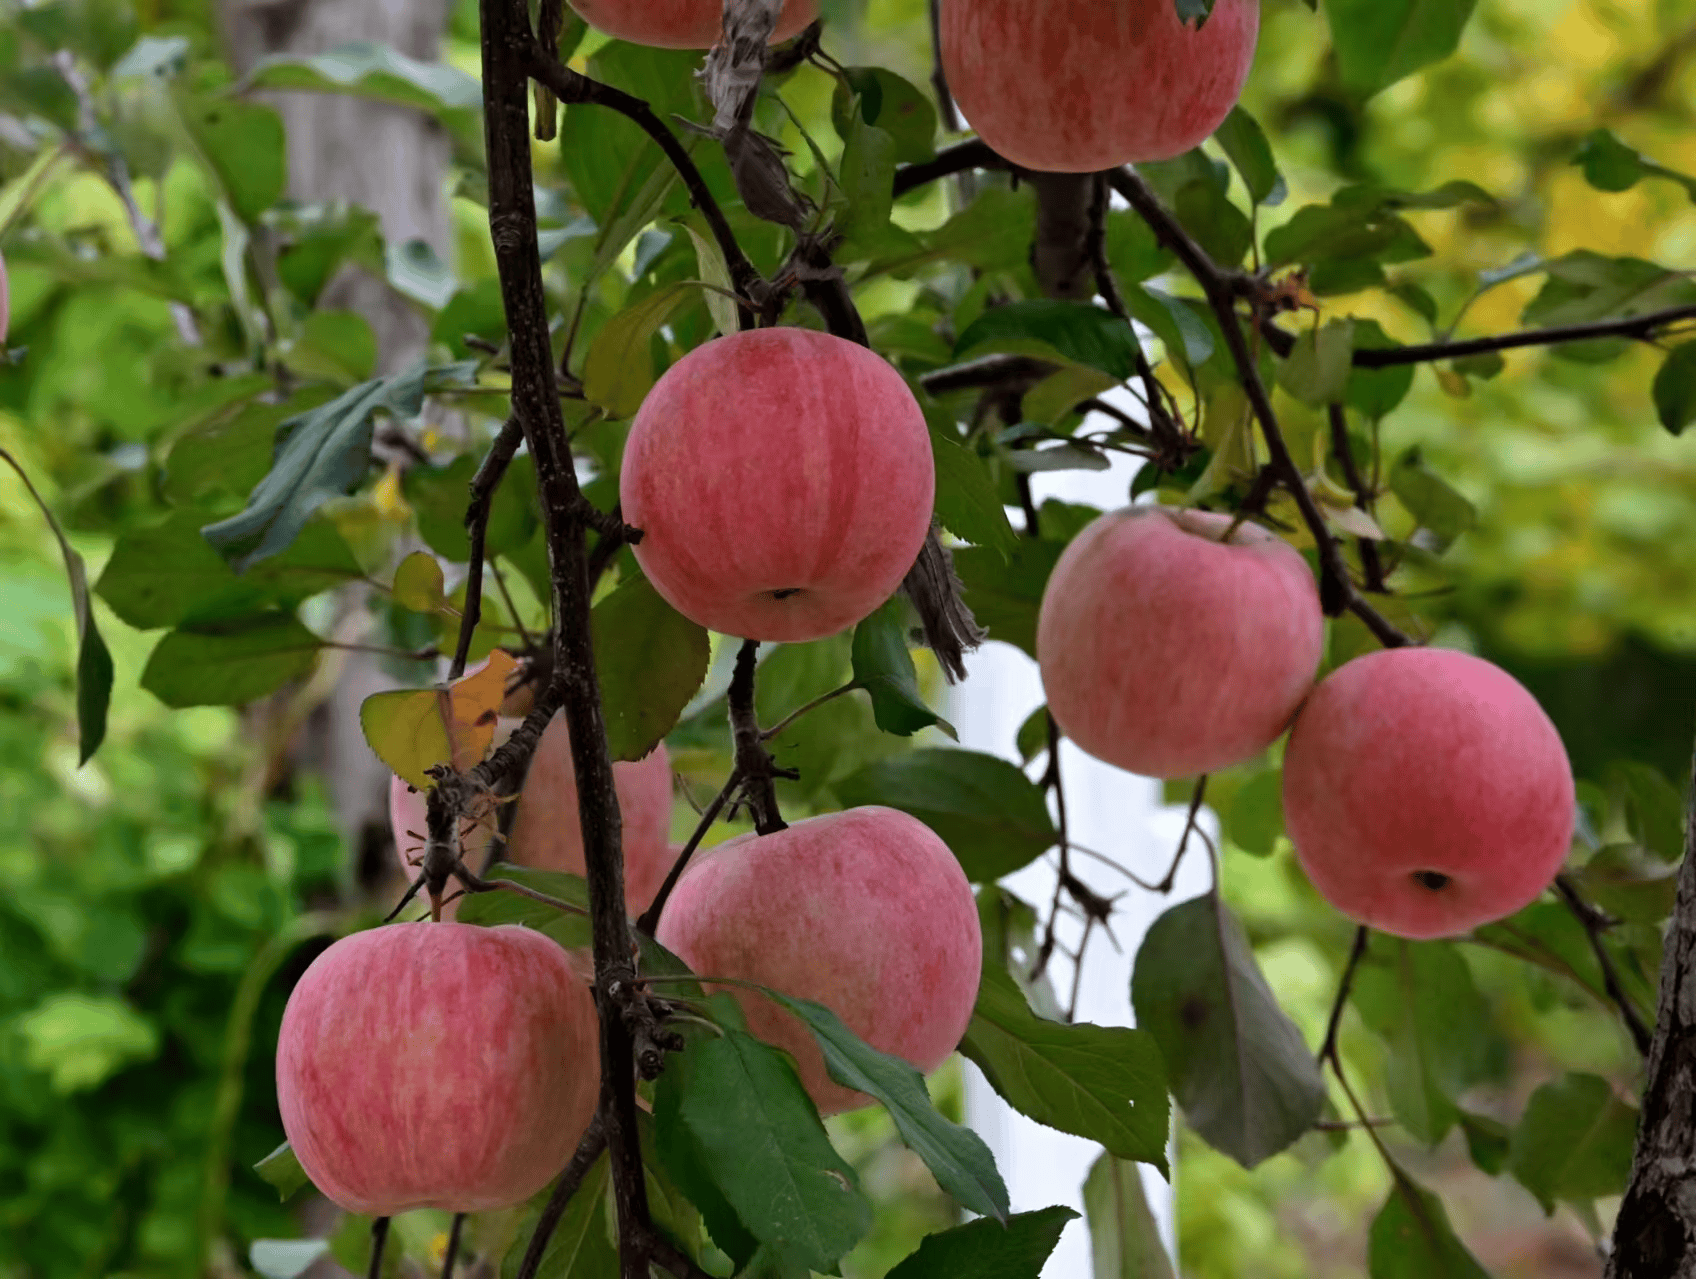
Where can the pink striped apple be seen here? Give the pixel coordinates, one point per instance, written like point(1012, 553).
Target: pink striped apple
point(679, 24)
point(1426, 792)
point(783, 482)
point(437, 1066)
point(1074, 86)
point(1168, 651)
point(865, 911)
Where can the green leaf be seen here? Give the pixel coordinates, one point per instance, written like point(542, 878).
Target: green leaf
point(760, 1139)
point(619, 370)
point(281, 1170)
point(1440, 509)
point(94, 660)
point(1174, 323)
point(866, 173)
point(1411, 1238)
point(985, 1249)
point(685, 1164)
point(321, 454)
point(418, 584)
point(1675, 388)
point(1374, 392)
point(579, 1247)
point(230, 452)
point(569, 928)
point(883, 666)
point(242, 143)
point(1654, 808)
point(439, 496)
point(967, 501)
point(1610, 165)
point(993, 817)
point(1583, 286)
point(1004, 592)
point(1255, 816)
point(1123, 1236)
point(81, 1041)
point(1318, 369)
point(1574, 1142)
point(1486, 1141)
point(1360, 224)
point(167, 575)
point(1238, 1066)
point(1071, 331)
point(898, 107)
point(1381, 41)
point(379, 73)
point(710, 263)
point(1244, 141)
point(1425, 1005)
point(956, 1156)
point(650, 660)
point(1104, 1083)
point(231, 666)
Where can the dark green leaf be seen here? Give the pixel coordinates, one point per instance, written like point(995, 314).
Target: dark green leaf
point(242, 143)
point(898, 107)
point(967, 502)
point(1439, 508)
point(650, 659)
point(867, 172)
point(1238, 1066)
point(231, 452)
point(1348, 229)
point(1411, 1238)
point(956, 1156)
point(1574, 1142)
point(987, 1250)
point(475, 311)
point(1585, 286)
point(1610, 165)
point(619, 370)
point(1073, 331)
point(167, 575)
point(231, 666)
point(1220, 227)
point(1245, 142)
point(1381, 41)
point(94, 661)
point(1624, 880)
point(439, 495)
point(760, 1139)
point(1123, 1236)
point(1103, 1083)
point(569, 928)
point(1486, 1141)
point(991, 815)
point(1318, 369)
point(1255, 818)
point(1032, 737)
point(1425, 1005)
point(683, 1161)
point(1005, 592)
point(321, 454)
point(1185, 337)
point(579, 1247)
point(1675, 388)
point(883, 666)
point(282, 1170)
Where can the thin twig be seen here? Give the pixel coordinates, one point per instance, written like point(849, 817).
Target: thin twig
point(776, 730)
point(379, 1237)
point(1596, 925)
point(452, 1254)
point(1371, 565)
point(1357, 952)
point(588, 1150)
point(650, 918)
point(483, 486)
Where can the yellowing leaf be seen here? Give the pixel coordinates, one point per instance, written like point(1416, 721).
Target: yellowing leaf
point(418, 583)
point(413, 730)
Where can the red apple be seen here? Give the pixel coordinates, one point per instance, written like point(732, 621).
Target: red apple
point(437, 1066)
point(547, 831)
point(1169, 652)
point(1074, 86)
point(679, 24)
point(864, 911)
point(1426, 792)
point(783, 482)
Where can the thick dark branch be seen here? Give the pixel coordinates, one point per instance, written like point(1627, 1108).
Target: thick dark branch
point(1371, 564)
point(510, 57)
point(570, 87)
point(1060, 253)
point(962, 157)
point(483, 486)
point(1596, 926)
point(1655, 1233)
point(1017, 373)
point(1221, 288)
point(588, 1150)
point(753, 761)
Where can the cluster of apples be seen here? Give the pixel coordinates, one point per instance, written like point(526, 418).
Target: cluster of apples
point(1425, 790)
point(783, 482)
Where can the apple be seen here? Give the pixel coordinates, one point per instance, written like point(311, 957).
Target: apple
point(437, 1066)
point(1075, 86)
point(1168, 651)
point(865, 911)
point(783, 483)
point(1426, 792)
point(547, 832)
point(680, 24)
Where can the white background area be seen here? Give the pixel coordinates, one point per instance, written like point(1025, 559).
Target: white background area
point(1114, 813)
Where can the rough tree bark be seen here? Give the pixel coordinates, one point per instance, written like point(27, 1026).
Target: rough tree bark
point(1655, 1236)
point(392, 161)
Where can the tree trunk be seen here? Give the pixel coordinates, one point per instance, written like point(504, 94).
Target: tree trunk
point(1655, 1236)
point(393, 161)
